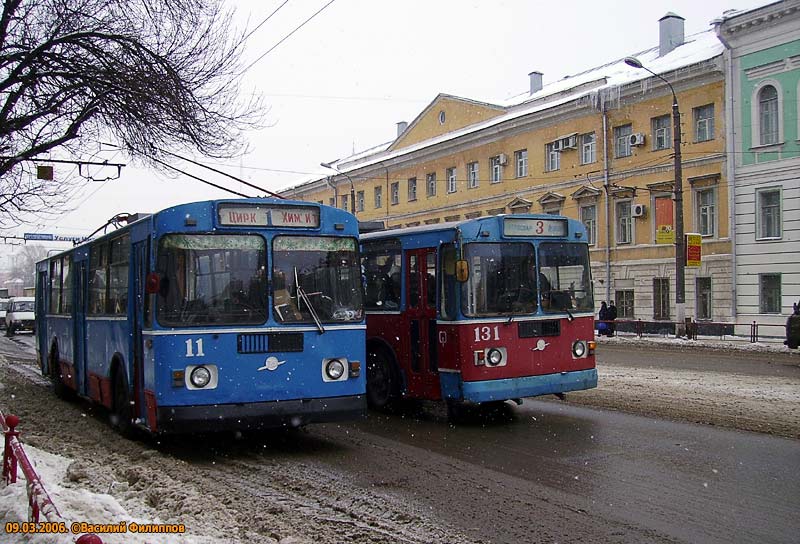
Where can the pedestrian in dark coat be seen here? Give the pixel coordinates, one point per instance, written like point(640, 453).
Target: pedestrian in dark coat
point(612, 315)
point(602, 317)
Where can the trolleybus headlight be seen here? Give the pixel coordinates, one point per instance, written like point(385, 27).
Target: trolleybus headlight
point(334, 369)
point(579, 349)
point(494, 357)
point(200, 377)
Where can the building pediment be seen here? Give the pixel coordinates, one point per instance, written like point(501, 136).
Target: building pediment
point(445, 114)
point(519, 205)
point(587, 192)
point(551, 199)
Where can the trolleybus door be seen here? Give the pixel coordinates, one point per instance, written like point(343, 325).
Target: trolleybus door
point(423, 378)
point(140, 252)
point(41, 313)
point(79, 329)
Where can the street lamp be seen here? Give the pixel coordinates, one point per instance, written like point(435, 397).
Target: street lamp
point(680, 254)
point(331, 166)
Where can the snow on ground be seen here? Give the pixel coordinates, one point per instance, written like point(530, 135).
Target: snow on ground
point(78, 505)
point(736, 343)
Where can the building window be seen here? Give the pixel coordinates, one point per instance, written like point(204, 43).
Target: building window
point(452, 185)
point(706, 211)
point(331, 202)
point(624, 303)
point(378, 196)
point(553, 157)
point(768, 222)
point(768, 115)
point(622, 141)
point(360, 201)
point(703, 123)
point(496, 168)
point(703, 303)
point(660, 298)
point(589, 219)
point(412, 189)
point(521, 162)
point(395, 193)
point(430, 184)
point(624, 222)
point(588, 148)
point(472, 175)
point(769, 293)
point(343, 199)
point(662, 135)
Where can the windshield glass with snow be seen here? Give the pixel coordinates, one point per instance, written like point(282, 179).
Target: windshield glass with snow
point(501, 280)
point(565, 277)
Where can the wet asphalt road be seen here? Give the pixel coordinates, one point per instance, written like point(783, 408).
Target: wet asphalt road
point(551, 472)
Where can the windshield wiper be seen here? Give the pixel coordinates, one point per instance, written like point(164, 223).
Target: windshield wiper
point(301, 294)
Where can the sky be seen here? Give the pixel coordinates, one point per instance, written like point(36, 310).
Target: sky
point(342, 81)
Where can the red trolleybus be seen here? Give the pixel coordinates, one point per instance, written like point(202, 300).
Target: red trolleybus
point(478, 311)
point(225, 314)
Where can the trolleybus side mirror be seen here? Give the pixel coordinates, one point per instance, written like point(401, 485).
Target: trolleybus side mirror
point(153, 283)
point(462, 270)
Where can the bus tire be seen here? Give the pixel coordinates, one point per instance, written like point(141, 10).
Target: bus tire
point(121, 418)
point(382, 381)
point(59, 387)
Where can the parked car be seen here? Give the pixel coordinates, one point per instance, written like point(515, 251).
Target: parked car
point(20, 315)
point(3, 308)
point(793, 328)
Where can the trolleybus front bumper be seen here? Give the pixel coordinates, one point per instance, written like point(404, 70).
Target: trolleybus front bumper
point(259, 415)
point(516, 388)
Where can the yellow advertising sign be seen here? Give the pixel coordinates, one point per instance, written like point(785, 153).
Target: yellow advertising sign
point(694, 251)
point(665, 234)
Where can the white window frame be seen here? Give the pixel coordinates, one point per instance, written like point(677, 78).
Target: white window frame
point(360, 201)
point(495, 169)
point(552, 158)
point(699, 294)
point(761, 302)
point(588, 148)
point(430, 184)
point(590, 223)
point(343, 199)
point(378, 196)
point(706, 133)
point(623, 223)
point(622, 141)
point(521, 162)
point(452, 183)
point(412, 189)
point(473, 175)
point(755, 113)
point(395, 196)
point(760, 235)
point(662, 132)
point(706, 209)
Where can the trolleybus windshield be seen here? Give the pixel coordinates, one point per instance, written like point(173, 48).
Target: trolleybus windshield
point(328, 274)
point(502, 279)
point(565, 277)
point(212, 278)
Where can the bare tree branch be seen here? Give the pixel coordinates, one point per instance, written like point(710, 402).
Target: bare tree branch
point(152, 74)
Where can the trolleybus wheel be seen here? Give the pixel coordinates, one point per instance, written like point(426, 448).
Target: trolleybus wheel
point(121, 414)
point(59, 387)
point(381, 380)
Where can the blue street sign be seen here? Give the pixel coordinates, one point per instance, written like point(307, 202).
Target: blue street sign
point(38, 236)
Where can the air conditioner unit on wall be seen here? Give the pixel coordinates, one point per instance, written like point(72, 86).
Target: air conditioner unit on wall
point(502, 159)
point(638, 210)
point(570, 142)
point(637, 138)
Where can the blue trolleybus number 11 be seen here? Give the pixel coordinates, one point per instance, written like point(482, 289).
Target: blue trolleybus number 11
point(190, 353)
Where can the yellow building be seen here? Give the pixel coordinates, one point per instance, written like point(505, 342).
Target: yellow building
point(596, 146)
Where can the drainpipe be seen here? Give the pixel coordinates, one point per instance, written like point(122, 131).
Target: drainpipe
point(608, 203)
point(730, 173)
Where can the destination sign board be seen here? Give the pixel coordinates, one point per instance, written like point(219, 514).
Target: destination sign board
point(517, 226)
point(237, 215)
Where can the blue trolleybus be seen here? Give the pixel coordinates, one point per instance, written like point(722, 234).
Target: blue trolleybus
point(479, 311)
point(226, 314)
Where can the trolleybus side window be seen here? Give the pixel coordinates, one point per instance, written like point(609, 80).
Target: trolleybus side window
point(98, 278)
point(566, 268)
point(118, 275)
point(211, 279)
point(381, 263)
point(447, 304)
point(315, 276)
point(501, 279)
point(55, 285)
